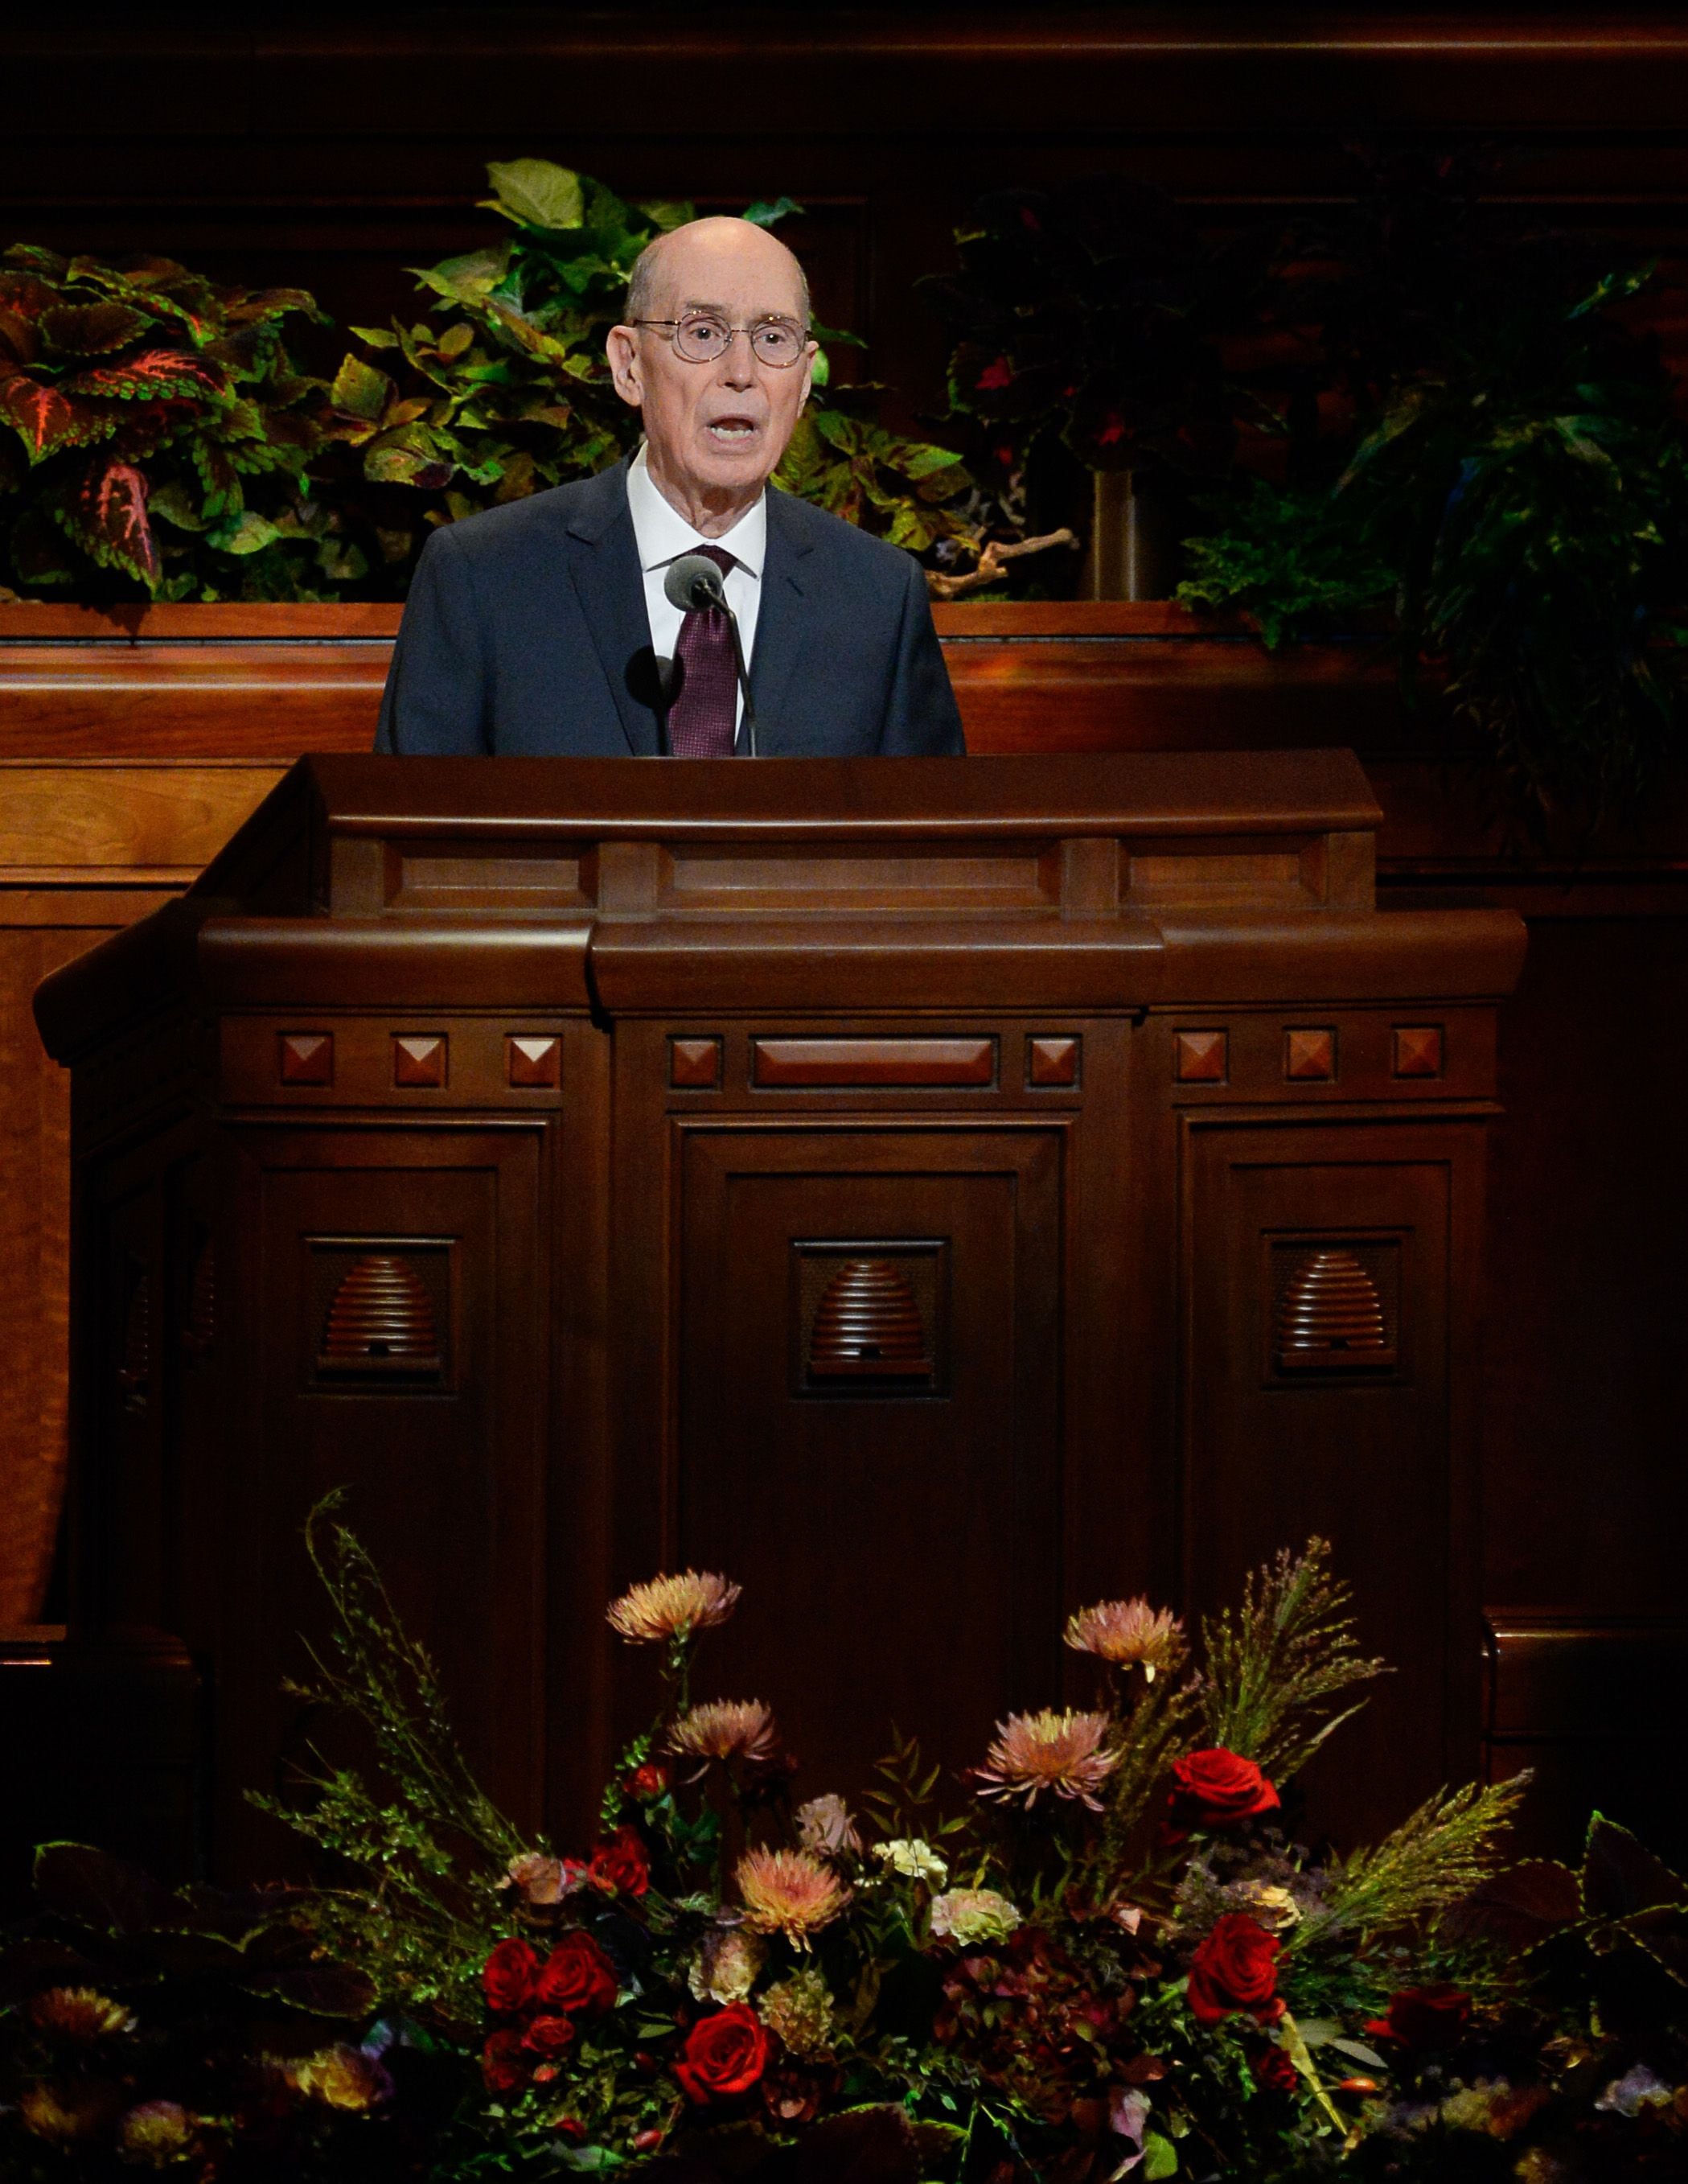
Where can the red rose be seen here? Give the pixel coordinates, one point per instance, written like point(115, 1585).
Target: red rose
point(578, 1978)
point(1274, 2070)
point(1216, 1789)
point(548, 2035)
point(1424, 2017)
point(619, 1867)
point(502, 2063)
point(648, 1782)
point(508, 1975)
point(725, 2053)
point(1235, 1968)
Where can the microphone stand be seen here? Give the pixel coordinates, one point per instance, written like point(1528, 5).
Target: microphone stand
point(744, 680)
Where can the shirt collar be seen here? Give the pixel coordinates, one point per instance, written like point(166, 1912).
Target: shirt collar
point(662, 535)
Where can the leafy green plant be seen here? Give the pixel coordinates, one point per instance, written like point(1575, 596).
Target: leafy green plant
point(154, 433)
point(1473, 433)
point(504, 390)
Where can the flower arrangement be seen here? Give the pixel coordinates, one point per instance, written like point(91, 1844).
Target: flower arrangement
point(1112, 1959)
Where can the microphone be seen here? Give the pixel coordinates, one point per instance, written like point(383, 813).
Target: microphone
point(693, 583)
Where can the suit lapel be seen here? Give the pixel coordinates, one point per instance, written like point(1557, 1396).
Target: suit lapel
point(779, 623)
point(604, 567)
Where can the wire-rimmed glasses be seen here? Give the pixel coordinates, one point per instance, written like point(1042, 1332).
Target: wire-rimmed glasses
point(701, 337)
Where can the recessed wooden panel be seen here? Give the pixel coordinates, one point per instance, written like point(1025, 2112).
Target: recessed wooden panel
point(889, 1061)
point(1018, 877)
point(1378, 1464)
point(446, 1529)
point(930, 1530)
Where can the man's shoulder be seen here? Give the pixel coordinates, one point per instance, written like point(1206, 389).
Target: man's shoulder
point(872, 563)
point(539, 522)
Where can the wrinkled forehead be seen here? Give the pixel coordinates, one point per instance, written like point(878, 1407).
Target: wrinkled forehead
point(746, 279)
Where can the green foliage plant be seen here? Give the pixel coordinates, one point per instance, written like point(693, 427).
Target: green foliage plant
point(155, 435)
point(1472, 431)
point(504, 389)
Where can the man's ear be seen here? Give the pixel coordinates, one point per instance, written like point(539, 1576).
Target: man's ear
point(622, 351)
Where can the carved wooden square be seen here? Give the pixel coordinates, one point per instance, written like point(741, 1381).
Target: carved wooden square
point(419, 1058)
point(378, 1312)
point(1201, 1057)
point(695, 1064)
point(870, 1317)
point(533, 1062)
point(1417, 1050)
point(306, 1057)
point(1335, 1305)
point(1051, 1062)
point(1310, 1056)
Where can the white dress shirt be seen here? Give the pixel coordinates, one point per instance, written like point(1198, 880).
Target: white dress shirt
point(662, 535)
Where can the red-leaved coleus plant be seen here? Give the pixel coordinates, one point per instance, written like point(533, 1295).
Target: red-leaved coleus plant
point(152, 424)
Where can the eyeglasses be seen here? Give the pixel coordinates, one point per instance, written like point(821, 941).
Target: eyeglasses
point(699, 338)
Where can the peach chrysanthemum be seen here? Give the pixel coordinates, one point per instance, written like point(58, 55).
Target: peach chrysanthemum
point(790, 1893)
point(667, 1608)
point(1130, 1633)
point(726, 1729)
point(79, 2013)
point(1048, 1751)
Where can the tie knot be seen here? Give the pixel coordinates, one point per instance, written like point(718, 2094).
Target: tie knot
point(719, 554)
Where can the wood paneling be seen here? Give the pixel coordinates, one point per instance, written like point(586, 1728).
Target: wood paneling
point(616, 1356)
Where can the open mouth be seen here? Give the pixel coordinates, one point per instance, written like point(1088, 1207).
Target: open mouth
point(733, 432)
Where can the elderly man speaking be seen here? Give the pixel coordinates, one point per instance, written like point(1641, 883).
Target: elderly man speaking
point(549, 625)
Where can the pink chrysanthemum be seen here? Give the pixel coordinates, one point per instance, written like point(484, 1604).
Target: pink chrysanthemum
point(667, 1608)
point(789, 1893)
point(1130, 1633)
point(1061, 1752)
point(726, 1729)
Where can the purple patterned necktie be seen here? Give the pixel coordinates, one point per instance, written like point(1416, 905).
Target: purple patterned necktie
point(702, 719)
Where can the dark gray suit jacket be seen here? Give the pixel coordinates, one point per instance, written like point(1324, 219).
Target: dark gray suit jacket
point(526, 633)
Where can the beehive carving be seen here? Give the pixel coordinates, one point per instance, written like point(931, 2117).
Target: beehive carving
point(381, 1321)
point(868, 1325)
point(134, 1374)
point(1331, 1315)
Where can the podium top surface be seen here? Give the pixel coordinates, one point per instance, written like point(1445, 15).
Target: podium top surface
point(1158, 793)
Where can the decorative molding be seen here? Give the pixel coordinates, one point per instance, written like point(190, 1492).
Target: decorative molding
point(1201, 1057)
point(1329, 1315)
point(380, 1322)
point(1416, 1050)
point(419, 1058)
point(1052, 1062)
point(531, 1062)
point(1310, 1056)
point(695, 1064)
point(199, 1327)
point(306, 1057)
point(821, 1062)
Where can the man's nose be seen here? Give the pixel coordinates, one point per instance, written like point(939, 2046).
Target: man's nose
point(738, 359)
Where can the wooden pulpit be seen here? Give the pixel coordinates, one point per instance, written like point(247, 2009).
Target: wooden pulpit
point(937, 1194)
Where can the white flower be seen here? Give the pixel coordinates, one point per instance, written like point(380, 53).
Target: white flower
point(825, 1824)
point(913, 1856)
point(726, 1966)
point(974, 1914)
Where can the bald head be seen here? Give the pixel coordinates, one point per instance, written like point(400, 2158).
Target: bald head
point(666, 272)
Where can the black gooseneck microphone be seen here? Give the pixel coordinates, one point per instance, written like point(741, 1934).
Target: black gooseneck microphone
point(692, 584)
